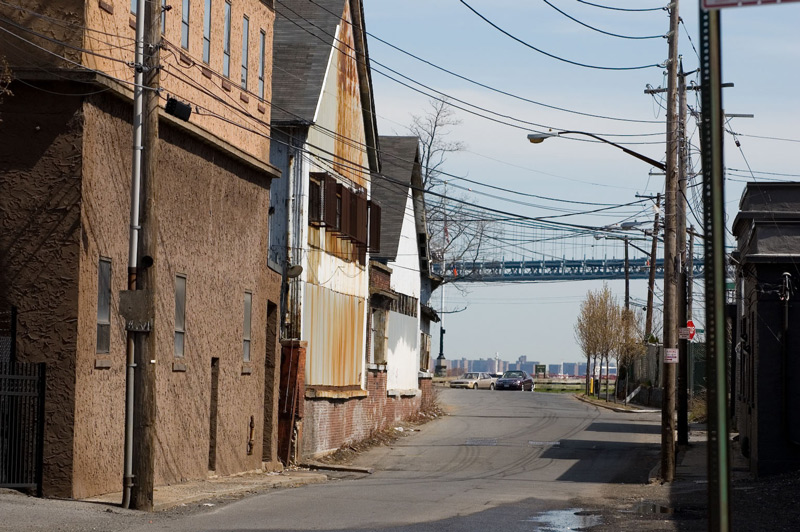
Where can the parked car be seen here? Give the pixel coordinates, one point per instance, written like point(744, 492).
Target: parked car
point(474, 380)
point(515, 380)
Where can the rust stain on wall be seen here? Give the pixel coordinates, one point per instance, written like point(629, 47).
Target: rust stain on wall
point(335, 332)
point(349, 145)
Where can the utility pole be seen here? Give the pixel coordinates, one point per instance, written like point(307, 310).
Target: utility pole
point(651, 285)
point(627, 278)
point(671, 267)
point(144, 421)
point(680, 211)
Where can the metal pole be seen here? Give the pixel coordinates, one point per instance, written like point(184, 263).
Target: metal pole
point(683, 345)
point(670, 331)
point(719, 518)
point(133, 249)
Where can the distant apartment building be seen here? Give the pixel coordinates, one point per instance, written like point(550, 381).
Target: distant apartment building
point(570, 368)
point(553, 370)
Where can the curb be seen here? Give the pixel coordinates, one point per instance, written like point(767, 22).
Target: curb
point(167, 497)
point(616, 408)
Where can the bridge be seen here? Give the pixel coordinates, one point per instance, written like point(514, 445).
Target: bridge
point(554, 270)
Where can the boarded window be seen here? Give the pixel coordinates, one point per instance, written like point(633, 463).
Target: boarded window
point(374, 227)
point(180, 315)
point(104, 305)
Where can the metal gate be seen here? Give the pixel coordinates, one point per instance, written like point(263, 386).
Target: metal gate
point(21, 425)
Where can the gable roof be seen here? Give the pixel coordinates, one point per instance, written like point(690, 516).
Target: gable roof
point(302, 43)
point(390, 189)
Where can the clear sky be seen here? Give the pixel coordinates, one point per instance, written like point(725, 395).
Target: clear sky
point(761, 54)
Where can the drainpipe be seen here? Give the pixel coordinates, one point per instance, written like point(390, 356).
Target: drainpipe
point(133, 253)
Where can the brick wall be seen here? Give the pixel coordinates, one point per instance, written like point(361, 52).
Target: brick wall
point(331, 423)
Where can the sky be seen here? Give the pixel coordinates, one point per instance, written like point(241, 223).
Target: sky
point(760, 55)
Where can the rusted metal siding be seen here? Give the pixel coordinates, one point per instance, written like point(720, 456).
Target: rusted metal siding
point(334, 326)
point(340, 110)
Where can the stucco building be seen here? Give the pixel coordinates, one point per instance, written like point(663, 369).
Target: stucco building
point(65, 196)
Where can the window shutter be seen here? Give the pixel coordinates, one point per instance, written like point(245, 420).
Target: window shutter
point(331, 204)
point(374, 227)
point(361, 220)
point(316, 182)
point(346, 217)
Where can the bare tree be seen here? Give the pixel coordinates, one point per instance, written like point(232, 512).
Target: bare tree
point(456, 232)
point(631, 342)
point(595, 328)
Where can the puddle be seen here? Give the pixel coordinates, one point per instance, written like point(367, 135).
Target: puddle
point(647, 508)
point(571, 519)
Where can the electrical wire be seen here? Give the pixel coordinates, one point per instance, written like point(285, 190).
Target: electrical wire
point(622, 8)
point(598, 29)
point(552, 56)
point(488, 87)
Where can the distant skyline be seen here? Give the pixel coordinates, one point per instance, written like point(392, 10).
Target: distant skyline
point(760, 49)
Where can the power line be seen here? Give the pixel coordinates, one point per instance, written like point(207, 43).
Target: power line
point(504, 32)
point(599, 30)
point(622, 8)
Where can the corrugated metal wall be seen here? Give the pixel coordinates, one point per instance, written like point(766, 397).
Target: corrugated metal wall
point(335, 329)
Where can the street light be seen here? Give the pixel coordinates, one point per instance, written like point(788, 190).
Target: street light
point(538, 138)
point(670, 340)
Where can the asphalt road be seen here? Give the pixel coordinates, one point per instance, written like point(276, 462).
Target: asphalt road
point(508, 460)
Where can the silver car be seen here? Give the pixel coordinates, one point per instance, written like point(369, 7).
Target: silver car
point(474, 380)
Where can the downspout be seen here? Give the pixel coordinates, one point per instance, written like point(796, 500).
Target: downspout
point(133, 254)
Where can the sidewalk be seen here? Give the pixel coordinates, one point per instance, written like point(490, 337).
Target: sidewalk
point(166, 497)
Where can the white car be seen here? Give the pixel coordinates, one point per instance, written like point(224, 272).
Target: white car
point(474, 380)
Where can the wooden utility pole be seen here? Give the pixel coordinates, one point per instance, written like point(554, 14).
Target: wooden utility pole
point(651, 285)
point(670, 331)
point(680, 211)
point(144, 422)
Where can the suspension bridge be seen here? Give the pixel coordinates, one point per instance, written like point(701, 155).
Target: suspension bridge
point(540, 258)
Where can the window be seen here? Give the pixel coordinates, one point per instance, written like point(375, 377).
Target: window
point(262, 37)
point(207, 33)
point(245, 49)
point(185, 25)
point(248, 308)
point(315, 184)
point(163, 16)
point(180, 315)
point(133, 6)
point(226, 38)
point(104, 305)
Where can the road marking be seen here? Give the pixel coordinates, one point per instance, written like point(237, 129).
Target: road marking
point(544, 443)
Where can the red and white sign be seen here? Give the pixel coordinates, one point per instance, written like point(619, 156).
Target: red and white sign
point(692, 330)
point(670, 355)
point(716, 4)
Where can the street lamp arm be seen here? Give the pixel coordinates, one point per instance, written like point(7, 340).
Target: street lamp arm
point(539, 137)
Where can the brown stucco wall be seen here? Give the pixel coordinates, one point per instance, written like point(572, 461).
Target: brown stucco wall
point(213, 222)
point(64, 203)
point(40, 193)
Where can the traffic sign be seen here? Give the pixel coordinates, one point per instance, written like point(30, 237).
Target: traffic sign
point(690, 326)
point(716, 4)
